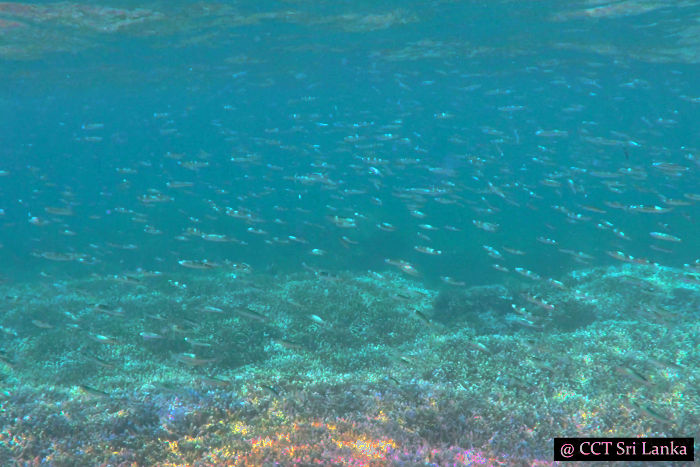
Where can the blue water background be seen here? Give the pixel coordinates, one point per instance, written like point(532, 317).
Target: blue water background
point(293, 89)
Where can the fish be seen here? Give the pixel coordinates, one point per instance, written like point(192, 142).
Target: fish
point(195, 264)
point(196, 343)
point(318, 320)
point(59, 211)
point(191, 359)
point(42, 324)
point(287, 344)
point(179, 184)
point(150, 336)
point(665, 237)
point(492, 252)
point(479, 347)
point(272, 389)
point(538, 301)
point(450, 281)
point(648, 411)
point(528, 274)
point(211, 309)
point(648, 209)
point(486, 226)
point(214, 381)
point(423, 317)
point(427, 250)
point(246, 312)
point(344, 222)
point(102, 339)
point(109, 310)
point(632, 374)
point(404, 266)
point(93, 392)
point(126, 279)
point(100, 362)
point(528, 323)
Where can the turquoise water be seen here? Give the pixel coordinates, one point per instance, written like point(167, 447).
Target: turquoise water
point(455, 230)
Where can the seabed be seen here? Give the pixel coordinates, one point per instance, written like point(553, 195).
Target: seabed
point(221, 368)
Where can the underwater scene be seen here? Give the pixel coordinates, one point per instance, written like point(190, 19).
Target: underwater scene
point(347, 233)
